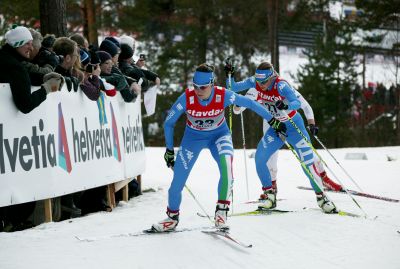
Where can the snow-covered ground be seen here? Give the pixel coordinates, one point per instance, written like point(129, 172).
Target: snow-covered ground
point(304, 239)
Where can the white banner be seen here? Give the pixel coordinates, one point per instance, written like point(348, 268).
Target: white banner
point(67, 144)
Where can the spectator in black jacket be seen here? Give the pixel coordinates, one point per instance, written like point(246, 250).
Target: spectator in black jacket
point(134, 70)
point(115, 79)
point(17, 49)
point(70, 52)
point(41, 61)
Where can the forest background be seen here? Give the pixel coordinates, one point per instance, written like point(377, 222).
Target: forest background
point(177, 35)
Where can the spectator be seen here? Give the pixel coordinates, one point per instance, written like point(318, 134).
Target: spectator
point(48, 42)
point(115, 79)
point(135, 71)
point(18, 49)
point(91, 82)
point(81, 41)
point(41, 61)
point(69, 50)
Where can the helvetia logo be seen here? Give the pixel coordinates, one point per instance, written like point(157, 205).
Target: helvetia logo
point(64, 160)
point(117, 151)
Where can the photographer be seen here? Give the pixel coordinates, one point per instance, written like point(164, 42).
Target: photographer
point(128, 68)
point(91, 82)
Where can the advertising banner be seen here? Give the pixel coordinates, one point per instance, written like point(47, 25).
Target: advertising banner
point(67, 144)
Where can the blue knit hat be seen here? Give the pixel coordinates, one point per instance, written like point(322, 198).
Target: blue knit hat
point(103, 56)
point(109, 47)
point(85, 58)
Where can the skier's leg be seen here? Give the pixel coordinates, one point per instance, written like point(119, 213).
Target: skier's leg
point(222, 151)
point(268, 145)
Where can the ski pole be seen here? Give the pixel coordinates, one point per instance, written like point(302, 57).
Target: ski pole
point(230, 107)
point(198, 203)
point(195, 199)
point(244, 154)
point(319, 156)
point(333, 157)
point(314, 150)
point(283, 138)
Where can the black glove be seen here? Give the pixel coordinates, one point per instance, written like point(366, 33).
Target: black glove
point(281, 105)
point(229, 68)
point(169, 157)
point(313, 129)
point(279, 127)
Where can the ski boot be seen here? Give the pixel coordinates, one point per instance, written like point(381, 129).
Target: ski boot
point(169, 223)
point(329, 183)
point(221, 212)
point(267, 199)
point(326, 205)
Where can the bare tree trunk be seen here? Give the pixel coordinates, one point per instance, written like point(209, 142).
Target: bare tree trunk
point(90, 18)
point(53, 18)
point(272, 15)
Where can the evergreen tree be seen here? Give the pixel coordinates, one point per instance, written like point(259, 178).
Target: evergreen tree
point(328, 79)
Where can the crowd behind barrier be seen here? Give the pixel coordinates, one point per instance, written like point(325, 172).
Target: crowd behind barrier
point(70, 121)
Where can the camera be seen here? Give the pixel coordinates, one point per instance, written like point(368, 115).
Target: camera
point(142, 57)
point(60, 58)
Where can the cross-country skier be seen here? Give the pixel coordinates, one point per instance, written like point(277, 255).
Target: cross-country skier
point(273, 161)
point(281, 101)
point(205, 128)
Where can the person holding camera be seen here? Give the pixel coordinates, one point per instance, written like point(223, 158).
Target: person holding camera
point(132, 69)
point(91, 81)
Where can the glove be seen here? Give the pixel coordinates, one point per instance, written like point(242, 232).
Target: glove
point(229, 68)
point(313, 129)
point(281, 105)
point(169, 157)
point(279, 127)
point(52, 82)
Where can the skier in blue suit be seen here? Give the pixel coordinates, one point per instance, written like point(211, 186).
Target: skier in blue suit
point(206, 127)
point(281, 101)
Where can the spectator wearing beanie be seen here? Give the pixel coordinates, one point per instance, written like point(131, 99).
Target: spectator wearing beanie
point(111, 48)
point(16, 50)
point(36, 71)
point(91, 80)
point(114, 40)
point(115, 79)
point(128, 68)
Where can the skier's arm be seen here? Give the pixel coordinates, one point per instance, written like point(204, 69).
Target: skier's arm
point(241, 85)
point(305, 106)
point(286, 90)
point(232, 98)
point(174, 113)
point(252, 94)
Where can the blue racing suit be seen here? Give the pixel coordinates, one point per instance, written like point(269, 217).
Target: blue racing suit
point(270, 143)
point(205, 128)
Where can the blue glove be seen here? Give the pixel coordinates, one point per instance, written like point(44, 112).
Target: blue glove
point(281, 105)
point(169, 157)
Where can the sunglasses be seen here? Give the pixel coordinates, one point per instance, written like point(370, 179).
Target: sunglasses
point(263, 82)
point(201, 87)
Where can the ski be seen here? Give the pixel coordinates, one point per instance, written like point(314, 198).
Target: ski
point(141, 233)
point(227, 235)
point(356, 193)
point(258, 212)
point(254, 212)
point(257, 201)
